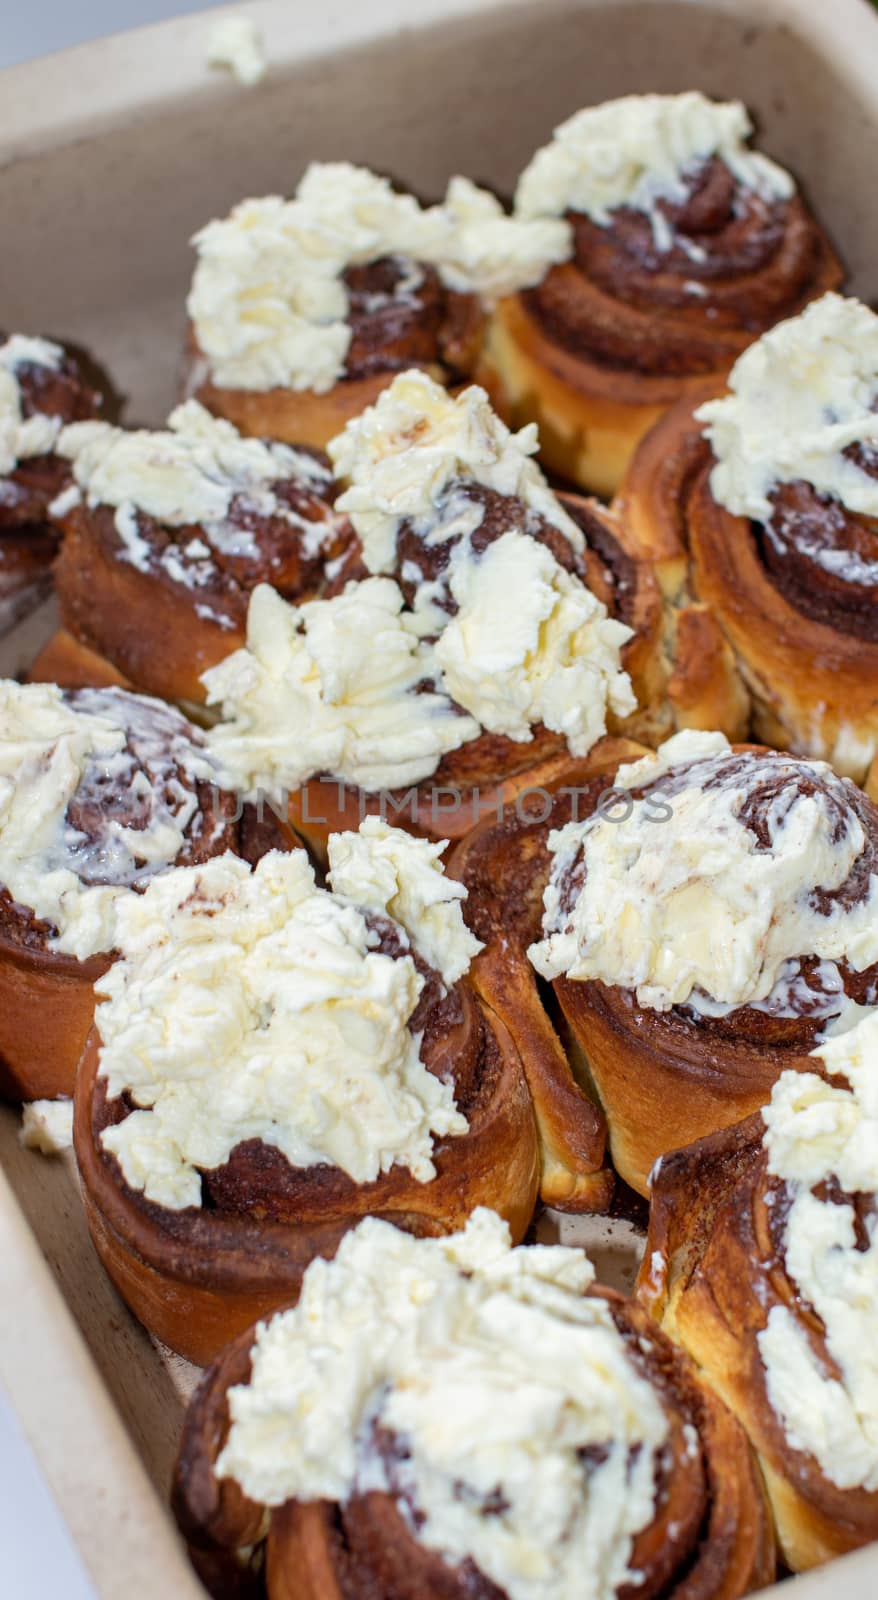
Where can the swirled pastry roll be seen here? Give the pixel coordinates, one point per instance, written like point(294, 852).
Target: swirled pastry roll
point(481, 635)
point(166, 535)
point(303, 310)
point(685, 245)
point(101, 791)
point(701, 931)
point(272, 1061)
point(759, 512)
point(762, 1261)
point(450, 1418)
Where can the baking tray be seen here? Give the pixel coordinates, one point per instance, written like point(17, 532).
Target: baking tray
point(111, 155)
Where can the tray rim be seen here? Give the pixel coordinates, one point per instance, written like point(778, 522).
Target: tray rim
point(78, 1439)
point(74, 93)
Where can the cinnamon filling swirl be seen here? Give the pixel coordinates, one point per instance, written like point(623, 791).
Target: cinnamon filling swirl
point(401, 315)
point(373, 1540)
point(603, 566)
point(822, 558)
point(736, 262)
point(222, 565)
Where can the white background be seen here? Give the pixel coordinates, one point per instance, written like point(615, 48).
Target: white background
point(37, 1557)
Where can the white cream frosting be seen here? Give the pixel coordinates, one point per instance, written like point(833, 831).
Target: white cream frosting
point(48, 751)
point(684, 906)
point(818, 1131)
point(495, 1370)
point(249, 1004)
point(404, 457)
point(23, 437)
point(190, 472)
point(329, 687)
point(639, 150)
point(491, 253)
point(531, 644)
point(47, 1126)
point(236, 43)
point(268, 302)
point(799, 397)
point(384, 869)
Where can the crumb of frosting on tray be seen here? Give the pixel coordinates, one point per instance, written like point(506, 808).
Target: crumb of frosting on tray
point(235, 43)
point(47, 1126)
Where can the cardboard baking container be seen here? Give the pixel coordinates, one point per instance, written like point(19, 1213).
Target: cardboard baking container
point(111, 155)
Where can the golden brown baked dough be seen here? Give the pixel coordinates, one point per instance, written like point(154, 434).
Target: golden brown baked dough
point(47, 997)
point(71, 664)
point(721, 1546)
point(795, 641)
point(706, 688)
point(713, 1271)
point(46, 1008)
point(590, 417)
point(197, 1277)
point(505, 865)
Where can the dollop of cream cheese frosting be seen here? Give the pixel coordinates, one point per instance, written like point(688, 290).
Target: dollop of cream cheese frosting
point(405, 458)
point(342, 686)
point(250, 1004)
point(269, 303)
point(494, 1371)
point(639, 150)
point(47, 1126)
point(819, 1132)
point(188, 474)
point(24, 437)
point(386, 870)
point(681, 903)
point(529, 643)
point(800, 397)
point(373, 692)
point(49, 750)
point(235, 42)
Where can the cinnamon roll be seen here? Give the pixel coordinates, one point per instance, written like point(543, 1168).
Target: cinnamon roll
point(41, 389)
point(703, 929)
point(763, 506)
point(474, 642)
point(303, 310)
point(684, 245)
point(762, 1261)
point(455, 1418)
point(271, 1061)
point(167, 534)
point(100, 792)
